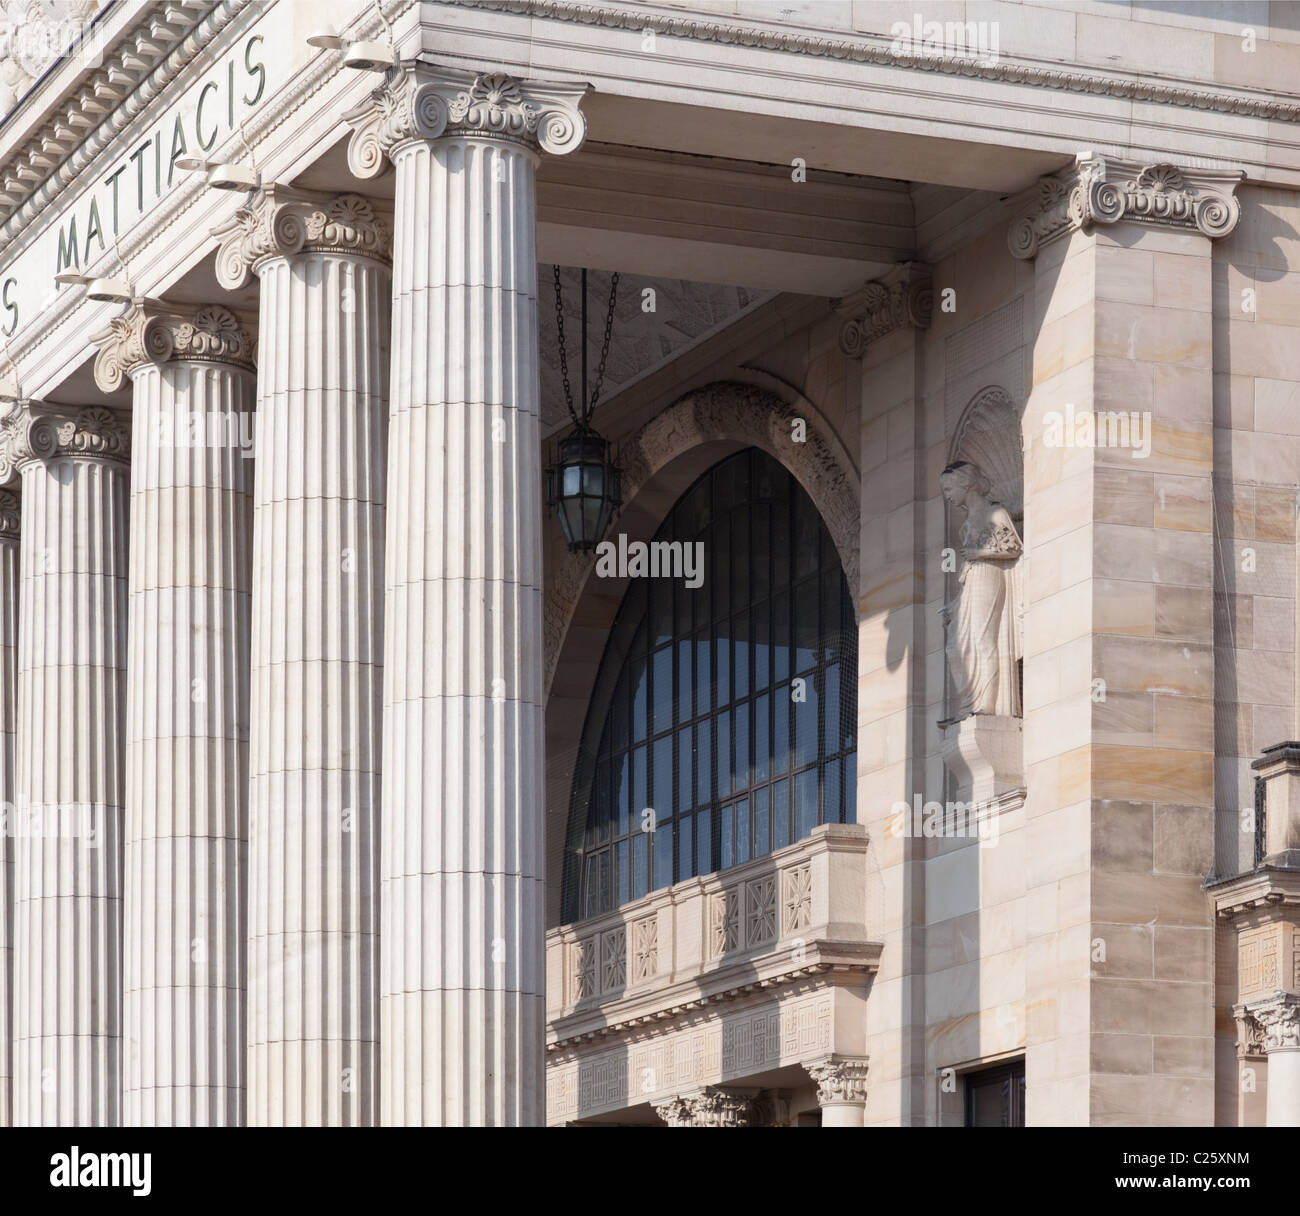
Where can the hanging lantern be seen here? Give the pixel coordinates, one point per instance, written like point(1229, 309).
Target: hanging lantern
point(584, 485)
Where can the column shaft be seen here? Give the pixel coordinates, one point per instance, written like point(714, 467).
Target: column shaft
point(316, 681)
point(9, 522)
point(462, 969)
point(187, 770)
point(68, 850)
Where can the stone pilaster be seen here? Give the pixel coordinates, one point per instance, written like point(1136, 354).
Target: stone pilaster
point(69, 770)
point(317, 651)
point(841, 1090)
point(712, 1106)
point(462, 984)
point(1279, 1018)
point(187, 709)
point(10, 519)
point(1119, 667)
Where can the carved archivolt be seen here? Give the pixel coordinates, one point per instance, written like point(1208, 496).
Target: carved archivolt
point(724, 410)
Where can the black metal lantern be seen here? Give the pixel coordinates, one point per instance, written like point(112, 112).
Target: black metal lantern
point(584, 485)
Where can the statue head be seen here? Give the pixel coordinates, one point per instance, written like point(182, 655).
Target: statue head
point(961, 479)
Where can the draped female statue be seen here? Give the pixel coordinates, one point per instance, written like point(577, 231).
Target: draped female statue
point(982, 621)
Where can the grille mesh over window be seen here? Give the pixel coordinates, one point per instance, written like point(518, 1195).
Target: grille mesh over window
point(722, 723)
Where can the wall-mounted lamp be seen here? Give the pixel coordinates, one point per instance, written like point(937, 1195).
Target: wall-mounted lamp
point(103, 290)
point(364, 56)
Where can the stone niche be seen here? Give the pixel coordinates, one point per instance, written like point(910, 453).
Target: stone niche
point(983, 749)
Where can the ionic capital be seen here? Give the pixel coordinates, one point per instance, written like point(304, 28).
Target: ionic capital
point(10, 515)
point(839, 1079)
point(709, 1107)
point(151, 333)
point(424, 101)
point(1279, 1016)
point(35, 432)
point(281, 222)
point(899, 298)
point(1101, 190)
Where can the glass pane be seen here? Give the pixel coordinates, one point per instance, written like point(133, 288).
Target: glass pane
point(807, 536)
point(762, 825)
point(720, 552)
point(723, 755)
point(663, 689)
point(762, 739)
point(639, 863)
point(727, 844)
point(661, 610)
point(831, 716)
point(685, 770)
point(685, 670)
point(662, 791)
point(640, 795)
point(806, 722)
point(830, 597)
point(780, 544)
point(623, 788)
point(780, 639)
point(704, 842)
point(624, 871)
point(704, 763)
point(640, 694)
point(781, 731)
point(831, 792)
point(851, 787)
point(742, 831)
point(685, 864)
point(780, 814)
point(762, 646)
point(740, 765)
point(722, 654)
point(739, 560)
point(600, 810)
point(761, 546)
point(805, 625)
point(703, 675)
point(740, 644)
point(663, 855)
point(618, 718)
point(805, 803)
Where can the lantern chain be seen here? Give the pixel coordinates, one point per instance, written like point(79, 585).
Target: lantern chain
point(588, 406)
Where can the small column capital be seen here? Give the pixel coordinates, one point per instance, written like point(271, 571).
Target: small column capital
point(10, 515)
point(426, 101)
point(1099, 190)
point(899, 298)
point(35, 432)
point(1279, 1016)
point(840, 1080)
point(280, 222)
point(712, 1106)
point(152, 333)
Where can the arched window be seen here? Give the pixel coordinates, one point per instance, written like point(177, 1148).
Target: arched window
point(722, 723)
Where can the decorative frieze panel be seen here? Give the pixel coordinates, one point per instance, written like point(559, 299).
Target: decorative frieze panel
point(1100, 191)
point(645, 948)
point(598, 962)
point(796, 899)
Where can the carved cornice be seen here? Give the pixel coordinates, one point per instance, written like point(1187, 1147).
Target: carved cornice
point(713, 1106)
point(150, 333)
point(1100, 190)
point(899, 298)
point(114, 90)
point(1280, 1018)
point(39, 432)
point(839, 1079)
point(280, 223)
point(10, 515)
point(882, 50)
point(427, 102)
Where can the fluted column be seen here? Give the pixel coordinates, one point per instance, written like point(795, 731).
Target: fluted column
point(462, 981)
point(187, 709)
point(9, 526)
point(317, 651)
point(71, 690)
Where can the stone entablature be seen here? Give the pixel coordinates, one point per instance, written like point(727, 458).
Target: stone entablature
point(1100, 190)
point(713, 979)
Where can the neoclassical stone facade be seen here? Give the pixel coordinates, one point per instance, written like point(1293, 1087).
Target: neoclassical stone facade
point(915, 745)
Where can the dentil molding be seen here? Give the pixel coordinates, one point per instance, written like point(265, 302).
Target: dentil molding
point(280, 223)
point(34, 431)
point(900, 298)
point(422, 101)
point(839, 1079)
point(151, 333)
point(1102, 190)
